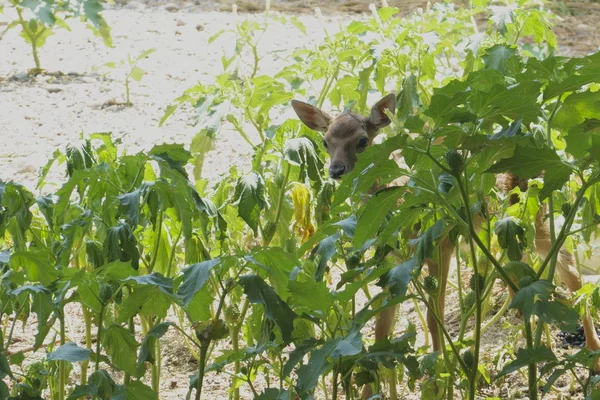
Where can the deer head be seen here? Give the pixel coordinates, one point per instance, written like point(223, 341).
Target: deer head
point(347, 134)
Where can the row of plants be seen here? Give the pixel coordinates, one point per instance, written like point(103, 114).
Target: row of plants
point(282, 262)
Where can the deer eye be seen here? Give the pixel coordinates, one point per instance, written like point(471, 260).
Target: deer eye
point(324, 143)
point(363, 142)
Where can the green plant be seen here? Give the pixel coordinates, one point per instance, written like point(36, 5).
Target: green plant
point(131, 69)
point(39, 18)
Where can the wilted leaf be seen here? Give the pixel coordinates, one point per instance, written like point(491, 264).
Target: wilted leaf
point(511, 237)
point(250, 198)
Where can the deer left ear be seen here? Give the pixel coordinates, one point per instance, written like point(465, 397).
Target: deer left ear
point(378, 119)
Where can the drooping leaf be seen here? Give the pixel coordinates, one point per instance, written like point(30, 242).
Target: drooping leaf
point(374, 214)
point(526, 357)
point(121, 345)
point(408, 99)
point(529, 161)
point(147, 348)
point(301, 152)
point(511, 237)
point(194, 278)
point(69, 352)
point(250, 198)
point(557, 313)
point(277, 310)
point(398, 278)
point(309, 374)
point(527, 297)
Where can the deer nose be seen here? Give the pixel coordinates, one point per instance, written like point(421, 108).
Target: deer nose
point(336, 170)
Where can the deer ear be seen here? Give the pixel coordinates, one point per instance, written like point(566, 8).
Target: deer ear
point(378, 119)
point(312, 117)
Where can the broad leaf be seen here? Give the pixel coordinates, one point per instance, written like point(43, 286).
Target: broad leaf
point(526, 357)
point(194, 278)
point(511, 237)
point(375, 213)
point(277, 310)
point(527, 297)
point(120, 344)
point(250, 199)
point(529, 161)
point(69, 352)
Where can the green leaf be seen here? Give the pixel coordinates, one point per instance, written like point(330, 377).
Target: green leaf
point(37, 264)
point(408, 99)
point(194, 278)
point(130, 206)
point(135, 390)
point(350, 345)
point(277, 310)
point(311, 297)
point(301, 152)
point(374, 214)
point(373, 164)
point(526, 357)
point(249, 197)
point(557, 313)
point(583, 138)
point(69, 352)
point(573, 74)
point(147, 349)
point(529, 161)
point(511, 237)
point(298, 24)
point(398, 278)
point(501, 58)
point(136, 73)
point(121, 244)
point(576, 108)
point(309, 374)
point(120, 344)
point(517, 101)
point(526, 298)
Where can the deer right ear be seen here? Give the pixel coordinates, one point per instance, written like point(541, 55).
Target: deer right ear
point(312, 117)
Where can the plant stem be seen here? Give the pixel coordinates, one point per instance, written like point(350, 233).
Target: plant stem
point(235, 336)
point(554, 257)
point(473, 373)
point(31, 36)
point(88, 343)
point(201, 365)
point(281, 197)
point(99, 336)
point(532, 368)
point(336, 373)
point(62, 370)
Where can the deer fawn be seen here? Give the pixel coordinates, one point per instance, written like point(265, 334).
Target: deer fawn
point(348, 134)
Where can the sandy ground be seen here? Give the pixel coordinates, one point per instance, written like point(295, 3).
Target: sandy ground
point(44, 113)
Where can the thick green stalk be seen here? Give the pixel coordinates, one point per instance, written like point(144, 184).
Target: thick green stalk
point(473, 373)
point(235, 340)
point(532, 368)
point(201, 366)
point(553, 257)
